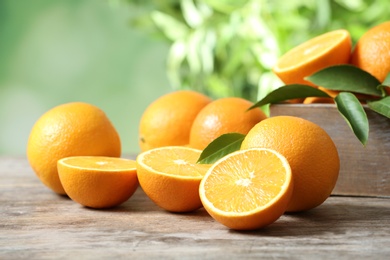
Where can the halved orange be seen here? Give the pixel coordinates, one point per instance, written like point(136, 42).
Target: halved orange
point(98, 181)
point(247, 189)
point(325, 50)
point(170, 177)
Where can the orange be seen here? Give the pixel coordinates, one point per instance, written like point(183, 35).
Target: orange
point(225, 115)
point(321, 100)
point(372, 51)
point(96, 181)
point(68, 130)
point(168, 120)
point(247, 189)
point(325, 50)
point(310, 151)
point(170, 177)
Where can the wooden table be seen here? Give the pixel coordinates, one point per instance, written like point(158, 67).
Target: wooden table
point(38, 224)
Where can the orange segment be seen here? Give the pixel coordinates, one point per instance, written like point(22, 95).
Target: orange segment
point(317, 53)
point(170, 177)
point(96, 181)
point(247, 189)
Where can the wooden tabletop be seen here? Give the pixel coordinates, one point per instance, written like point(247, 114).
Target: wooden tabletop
point(38, 224)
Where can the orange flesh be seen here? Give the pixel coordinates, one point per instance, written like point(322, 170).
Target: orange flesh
point(247, 183)
point(176, 162)
point(100, 163)
point(310, 50)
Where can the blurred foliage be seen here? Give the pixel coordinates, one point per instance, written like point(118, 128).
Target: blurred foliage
point(228, 47)
point(54, 52)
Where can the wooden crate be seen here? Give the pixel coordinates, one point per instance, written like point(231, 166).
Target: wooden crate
point(365, 171)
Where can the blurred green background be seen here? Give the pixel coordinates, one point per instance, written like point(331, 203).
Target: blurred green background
point(122, 54)
point(53, 52)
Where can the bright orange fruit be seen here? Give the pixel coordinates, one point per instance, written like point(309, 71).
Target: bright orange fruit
point(222, 116)
point(310, 151)
point(325, 50)
point(170, 177)
point(372, 51)
point(247, 189)
point(68, 130)
point(98, 182)
point(168, 120)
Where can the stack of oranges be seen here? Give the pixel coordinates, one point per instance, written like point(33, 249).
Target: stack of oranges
point(285, 164)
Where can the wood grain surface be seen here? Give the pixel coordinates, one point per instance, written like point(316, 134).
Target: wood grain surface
point(365, 170)
point(38, 224)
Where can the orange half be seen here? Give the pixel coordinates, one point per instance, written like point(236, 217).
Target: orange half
point(170, 177)
point(247, 189)
point(98, 181)
point(328, 49)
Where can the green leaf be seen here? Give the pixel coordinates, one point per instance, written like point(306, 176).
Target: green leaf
point(223, 145)
point(387, 81)
point(290, 92)
point(173, 29)
point(381, 106)
point(226, 6)
point(346, 78)
point(354, 114)
point(385, 84)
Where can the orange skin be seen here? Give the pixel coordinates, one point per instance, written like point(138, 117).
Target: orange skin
point(222, 116)
point(372, 52)
point(168, 120)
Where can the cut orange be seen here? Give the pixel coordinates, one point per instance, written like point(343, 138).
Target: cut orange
point(170, 177)
point(328, 49)
point(247, 189)
point(310, 151)
point(97, 181)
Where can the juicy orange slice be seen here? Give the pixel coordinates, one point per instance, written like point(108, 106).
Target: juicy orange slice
point(97, 181)
point(170, 177)
point(328, 49)
point(247, 189)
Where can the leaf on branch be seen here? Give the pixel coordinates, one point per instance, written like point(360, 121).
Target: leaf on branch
point(290, 92)
point(223, 145)
point(346, 78)
point(381, 106)
point(354, 114)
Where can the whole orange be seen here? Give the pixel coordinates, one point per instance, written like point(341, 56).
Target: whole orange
point(168, 120)
point(372, 51)
point(309, 150)
point(68, 130)
point(222, 116)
